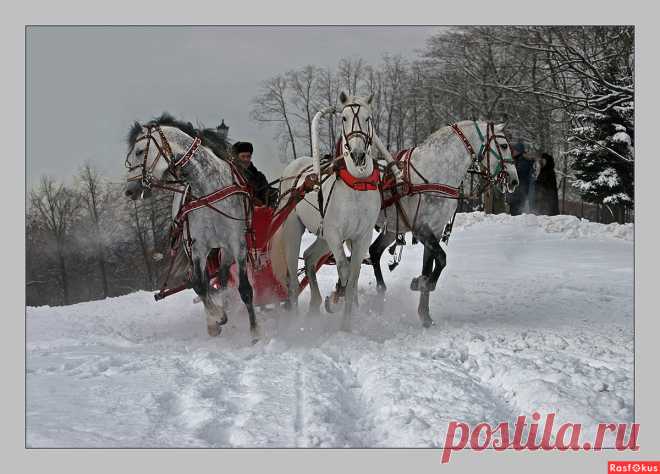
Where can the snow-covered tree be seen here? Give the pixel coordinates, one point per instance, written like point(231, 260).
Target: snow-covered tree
point(602, 140)
point(603, 157)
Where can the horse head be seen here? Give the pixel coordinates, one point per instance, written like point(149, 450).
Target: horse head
point(497, 150)
point(149, 159)
point(357, 133)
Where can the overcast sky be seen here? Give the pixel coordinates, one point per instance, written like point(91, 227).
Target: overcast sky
point(86, 85)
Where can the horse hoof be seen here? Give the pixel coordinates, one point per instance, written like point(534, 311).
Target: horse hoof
point(427, 322)
point(332, 303)
point(255, 335)
point(214, 329)
point(421, 283)
point(329, 305)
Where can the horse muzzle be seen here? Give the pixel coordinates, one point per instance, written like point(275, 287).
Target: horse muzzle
point(359, 158)
point(135, 191)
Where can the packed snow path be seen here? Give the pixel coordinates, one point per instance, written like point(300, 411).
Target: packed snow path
point(532, 314)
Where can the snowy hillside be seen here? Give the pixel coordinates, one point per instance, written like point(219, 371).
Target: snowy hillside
point(532, 314)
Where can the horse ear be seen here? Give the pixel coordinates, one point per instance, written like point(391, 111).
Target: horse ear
point(343, 98)
point(370, 98)
point(502, 125)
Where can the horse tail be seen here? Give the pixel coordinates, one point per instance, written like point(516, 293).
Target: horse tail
point(278, 256)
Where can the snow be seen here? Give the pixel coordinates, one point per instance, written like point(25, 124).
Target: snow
point(617, 198)
point(532, 313)
point(621, 137)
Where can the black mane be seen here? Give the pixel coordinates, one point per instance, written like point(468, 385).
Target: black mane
point(209, 136)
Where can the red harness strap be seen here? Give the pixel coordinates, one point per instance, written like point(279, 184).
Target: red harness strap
point(407, 188)
point(370, 183)
point(209, 199)
point(468, 146)
point(403, 156)
point(187, 156)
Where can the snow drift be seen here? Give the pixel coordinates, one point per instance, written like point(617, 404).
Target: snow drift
point(532, 313)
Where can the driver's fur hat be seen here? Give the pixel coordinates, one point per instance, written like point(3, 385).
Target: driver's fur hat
point(242, 147)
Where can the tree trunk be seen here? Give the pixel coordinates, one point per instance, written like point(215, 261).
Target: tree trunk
point(581, 208)
point(104, 273)
point(309, 128)
point(389, 129)
point(563, 187)
point(488, 201)
point(145, 250)
point(621, 214)
point(63, 275)
point(293, 141)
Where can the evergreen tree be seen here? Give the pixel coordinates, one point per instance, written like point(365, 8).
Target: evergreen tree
point(603, 144)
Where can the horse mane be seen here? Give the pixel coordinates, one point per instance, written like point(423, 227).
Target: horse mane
point(209, 136)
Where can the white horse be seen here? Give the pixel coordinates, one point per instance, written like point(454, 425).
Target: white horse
point(444, 158)
point(347, 215)
point(161, 152)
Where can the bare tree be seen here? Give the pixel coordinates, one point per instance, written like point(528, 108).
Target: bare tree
point(328, 93)
point(141, 231)
point(272, 106)
point(95, 199)
point(351, 74)
point(394, 96)
point(58, 208)
point(303, 99)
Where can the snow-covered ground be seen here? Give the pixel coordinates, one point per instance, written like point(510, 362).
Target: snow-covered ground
point(533, 314)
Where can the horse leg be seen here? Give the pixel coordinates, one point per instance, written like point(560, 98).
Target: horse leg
point(293, 231)
point(312, 255)
point(215, 316)
point(435, 261)
point(440, 258)
point(245, 290)
point(358, 248)
point(336, 246)
point(376, 250)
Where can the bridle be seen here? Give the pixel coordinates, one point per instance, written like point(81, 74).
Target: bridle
point(357, 130)
point(174, 166)
point(499, 176)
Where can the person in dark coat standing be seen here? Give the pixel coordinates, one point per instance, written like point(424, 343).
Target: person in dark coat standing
point(255, 178)
point(546, 196)
point(518, 200)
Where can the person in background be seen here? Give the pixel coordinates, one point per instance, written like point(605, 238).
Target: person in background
point(256, 179)
point(546, 197)
point(518, 200)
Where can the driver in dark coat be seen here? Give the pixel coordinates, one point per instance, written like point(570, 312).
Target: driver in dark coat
point(255, 178)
